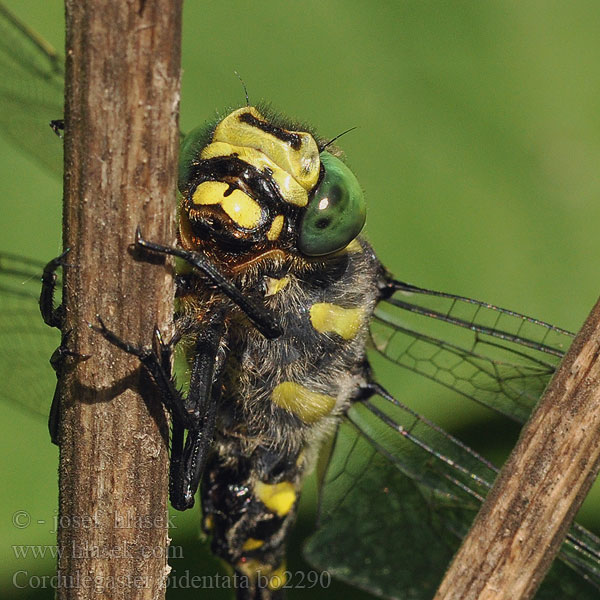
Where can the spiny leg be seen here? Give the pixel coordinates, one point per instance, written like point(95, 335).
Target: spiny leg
point(54, 317)
point(204, 395)
point(263, 319)
point(154, 362)
point(195, 413)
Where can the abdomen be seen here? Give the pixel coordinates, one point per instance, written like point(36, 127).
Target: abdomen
point(280, 399)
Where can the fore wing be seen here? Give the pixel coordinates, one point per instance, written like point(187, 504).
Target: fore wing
point(31, 91)
point(26, 343)
point(494, 356)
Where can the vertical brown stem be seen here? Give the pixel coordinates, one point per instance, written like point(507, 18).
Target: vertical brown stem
point(121, 143)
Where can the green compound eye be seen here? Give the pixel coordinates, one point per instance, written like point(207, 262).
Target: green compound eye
point(189, 151)
point(336, 213)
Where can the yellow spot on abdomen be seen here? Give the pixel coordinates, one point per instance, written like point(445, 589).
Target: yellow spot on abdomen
point(278, 577)
point(305, 404)
point(252, 568)
point(208, 523)
point(252, 544)
point(330, 318)
point(239, 207)
point(277, 497)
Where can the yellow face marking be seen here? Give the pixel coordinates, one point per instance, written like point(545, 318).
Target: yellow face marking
point(302, 163)
point(305, 404)
point(252, 544)
point(274, 286)
point(242, 209)
point(277, 497)
point(290, 189)
point(209, 192)
point(330, 318)
point(275, 228)
point(239, 207)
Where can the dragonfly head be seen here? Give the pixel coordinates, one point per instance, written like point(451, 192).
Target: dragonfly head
point(252, 184)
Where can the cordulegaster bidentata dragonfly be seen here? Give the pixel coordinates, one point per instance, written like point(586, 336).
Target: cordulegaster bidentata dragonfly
point(429, 485)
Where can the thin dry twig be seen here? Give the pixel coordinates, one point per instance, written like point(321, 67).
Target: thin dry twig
point(526, 516)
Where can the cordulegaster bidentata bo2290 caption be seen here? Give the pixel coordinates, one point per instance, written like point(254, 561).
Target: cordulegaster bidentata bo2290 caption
point(270, 218)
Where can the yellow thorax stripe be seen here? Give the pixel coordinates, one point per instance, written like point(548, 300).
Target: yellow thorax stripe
point(305, 404)
point(276, 227)
point(253, 568)
point(331, 318)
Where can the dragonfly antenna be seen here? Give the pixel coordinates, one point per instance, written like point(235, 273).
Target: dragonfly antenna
point(337, 137)
point(244, 86)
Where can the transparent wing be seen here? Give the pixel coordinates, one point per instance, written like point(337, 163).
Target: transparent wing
point(496, 357)
point(31, 95)
point(398, 496)
point(31, 91)
point(26, 343)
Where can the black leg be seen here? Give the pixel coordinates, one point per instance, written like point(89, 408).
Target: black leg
point(54, 416)
point(58, 126)
point(196, 413)
point(203, 399)
point(264, 320)
point(154, 362)
point(53, 317)
point(57, 361)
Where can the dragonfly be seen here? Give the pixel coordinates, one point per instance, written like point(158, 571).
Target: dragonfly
point(398, 493)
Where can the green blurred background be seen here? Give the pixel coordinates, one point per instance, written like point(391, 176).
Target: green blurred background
point(478, 146)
